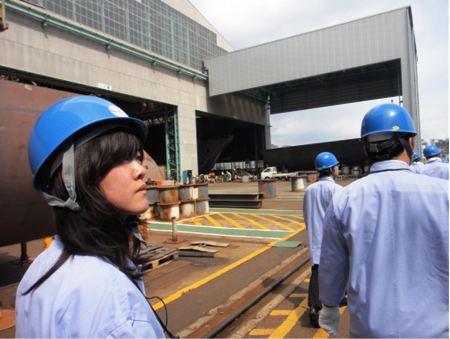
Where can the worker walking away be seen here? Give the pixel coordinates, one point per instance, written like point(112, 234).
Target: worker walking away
point(386, 241)
point(416, 164)
point(434, 166)
point(86, 157)
point(315, 203)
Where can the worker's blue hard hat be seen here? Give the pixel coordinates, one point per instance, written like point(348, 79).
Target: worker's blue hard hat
point(80, 117)
point(387, 118)
point(416, 155)
point(431, 150)
point(445, 161)
point(325, 160)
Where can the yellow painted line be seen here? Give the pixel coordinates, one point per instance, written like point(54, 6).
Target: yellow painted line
point(273, 222)
point(298, 295)
point(213, 221)
point(195, 219)
point(179, 222)
point(321, 333)
point(296, 216)
point(262, 331)
point(231, 220)
point(198, 223)
point(291, 321)
point(292, 221)
point(199, 283)
point(280, 312)
point(252, 221)
point(306, 280)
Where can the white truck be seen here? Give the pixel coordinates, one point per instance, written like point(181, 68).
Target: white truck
point(272, 173)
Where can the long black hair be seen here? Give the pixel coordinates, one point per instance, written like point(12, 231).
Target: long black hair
point(100, 229)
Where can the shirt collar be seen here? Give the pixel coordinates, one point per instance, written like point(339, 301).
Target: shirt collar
point(434, 160)
point(326, 179)
point(389, 165)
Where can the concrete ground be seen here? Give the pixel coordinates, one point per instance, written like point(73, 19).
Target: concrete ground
point(193, 287)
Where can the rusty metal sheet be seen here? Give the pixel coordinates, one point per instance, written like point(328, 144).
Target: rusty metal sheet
point(152, 171)
point(301, 158)
point(25, 215)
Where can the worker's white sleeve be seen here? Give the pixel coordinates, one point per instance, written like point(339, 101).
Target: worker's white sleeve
point(334, 259)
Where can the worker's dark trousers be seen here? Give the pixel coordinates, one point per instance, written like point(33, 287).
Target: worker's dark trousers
point(313, 291)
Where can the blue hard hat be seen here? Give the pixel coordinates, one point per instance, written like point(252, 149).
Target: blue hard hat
point(430, 151)
point(445, 161)
point(387, 118)
point(325, 160)
point(69, 116)
point(416, 155)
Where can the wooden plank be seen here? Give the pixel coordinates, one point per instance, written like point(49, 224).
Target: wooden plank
point(210, 243)
point(196, 248)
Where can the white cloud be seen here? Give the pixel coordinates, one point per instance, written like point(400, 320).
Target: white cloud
point(246, 23)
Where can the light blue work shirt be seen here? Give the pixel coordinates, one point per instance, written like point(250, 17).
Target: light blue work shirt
point(436, 168)
point(386, 240)
point(315, 204)
point(86, 297)
point(416, 167)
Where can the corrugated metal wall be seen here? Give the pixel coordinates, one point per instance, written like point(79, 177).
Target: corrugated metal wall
point(381, 38)
point(366, 41)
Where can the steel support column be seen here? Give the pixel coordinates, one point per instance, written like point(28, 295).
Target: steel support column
point(172, 144)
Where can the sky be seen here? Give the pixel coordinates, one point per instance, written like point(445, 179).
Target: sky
point(246, 23)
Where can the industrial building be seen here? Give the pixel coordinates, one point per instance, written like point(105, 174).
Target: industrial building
point(161, 61)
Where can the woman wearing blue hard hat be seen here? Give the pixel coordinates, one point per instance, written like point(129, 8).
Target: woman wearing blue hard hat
point(85, 154)
point(315, 203)
point(434, 167)
point(386, 241)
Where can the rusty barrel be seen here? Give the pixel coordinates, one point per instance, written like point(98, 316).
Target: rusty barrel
point(202, 205)
point(268, 187)
point(298, 183)
point(185, 192)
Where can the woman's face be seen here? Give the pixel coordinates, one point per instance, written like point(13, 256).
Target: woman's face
point(124, 187)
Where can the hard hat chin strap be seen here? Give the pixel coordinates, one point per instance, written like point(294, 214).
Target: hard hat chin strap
point(69, 181)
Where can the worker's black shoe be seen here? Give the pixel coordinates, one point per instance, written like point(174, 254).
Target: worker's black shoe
point(343, 302)
point(314, 316)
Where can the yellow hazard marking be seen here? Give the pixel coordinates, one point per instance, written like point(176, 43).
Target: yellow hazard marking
point(231, 220)
point(280, 312)
point(198, 223)
point(292, 221)
point(213, 221)
point(291, 320)
point(199, 283)
point(195, 219)
point(297, 217)
point(298, 295)
point(262, 331)
point(252, 221)
point(321, 333)
point(272, 221)
point(306, 280)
